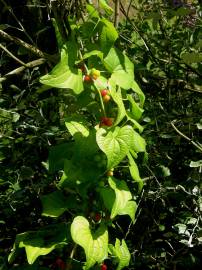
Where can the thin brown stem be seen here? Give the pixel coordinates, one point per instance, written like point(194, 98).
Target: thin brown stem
point(12, 55)
point(185, 136)
point(116, 14)
point(29, 47)
point(17, 20)
point(17, 71)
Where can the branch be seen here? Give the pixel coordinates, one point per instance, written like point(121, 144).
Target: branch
point(185, 137)
point(17, 20)
point(29, 47)
point(20, 69)
point(12, 55)
point(116, 15)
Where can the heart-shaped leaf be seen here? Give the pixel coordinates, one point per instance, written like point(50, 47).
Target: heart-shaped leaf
point(123, 204)
point(94, 244)
point(121, 67)
point(115, 143)
point(121, 253)
point(40, 242)
point(64, 74)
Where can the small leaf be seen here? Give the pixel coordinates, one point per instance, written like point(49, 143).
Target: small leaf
point(135, 172)
point(54, 204)
point(136, 111)
point(139, 144)
point(37, 243)
point(103, 4)
point(121, 67)
point(107, 35)
point(77, 124)
point(64, 74)
point(121, 253)
point(192, 57)
point(58, 154)
point(135, 87)
point(195, 164)
point(117, 97)
point(123, 204)
point(94, 244)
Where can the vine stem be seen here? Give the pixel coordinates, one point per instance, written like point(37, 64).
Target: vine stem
point(101, 102)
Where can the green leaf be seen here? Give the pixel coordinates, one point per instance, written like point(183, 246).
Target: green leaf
point(37, 243)
point(81, 167)
point(136, 111)
point(54, 204)
point(94, 244)
point(121, 67)
point(117, 97)
point(115, 143)
point(192, 57)
point(195, 164)
point(135, 87)
point(123, 204)
point(103, 4)
point(108, 35)
point(57, 34)
point(121, 253)
point(108, 197)
point(76, 124)
point(93, 13)
point(93, 53)
point(64, 75)
point(139, 144)
point(58, 154)
point(135, 123)
point(135, 172)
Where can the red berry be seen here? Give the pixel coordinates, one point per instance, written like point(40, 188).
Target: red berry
point(105, 121)
point(103, 267)
point(82, 68)
point(106, 98)
point(60, 264)
point(97, 217)
point(87, 78)
point(104, 92)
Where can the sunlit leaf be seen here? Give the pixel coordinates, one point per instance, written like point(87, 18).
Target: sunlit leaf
point(121, 253)
point(95, 244)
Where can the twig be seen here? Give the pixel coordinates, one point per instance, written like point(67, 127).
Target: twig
point(184, 136)
point(29, 47)
point(153, 175)
point(68, 266)
point(12, 55)
point(137, 31)
point(18, 21)
point(20, 69)
point(116, 14)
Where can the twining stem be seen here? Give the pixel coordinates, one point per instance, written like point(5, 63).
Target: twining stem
point(101, 102)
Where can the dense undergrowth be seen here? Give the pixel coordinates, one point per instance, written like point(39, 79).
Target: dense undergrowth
point(163, 41)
